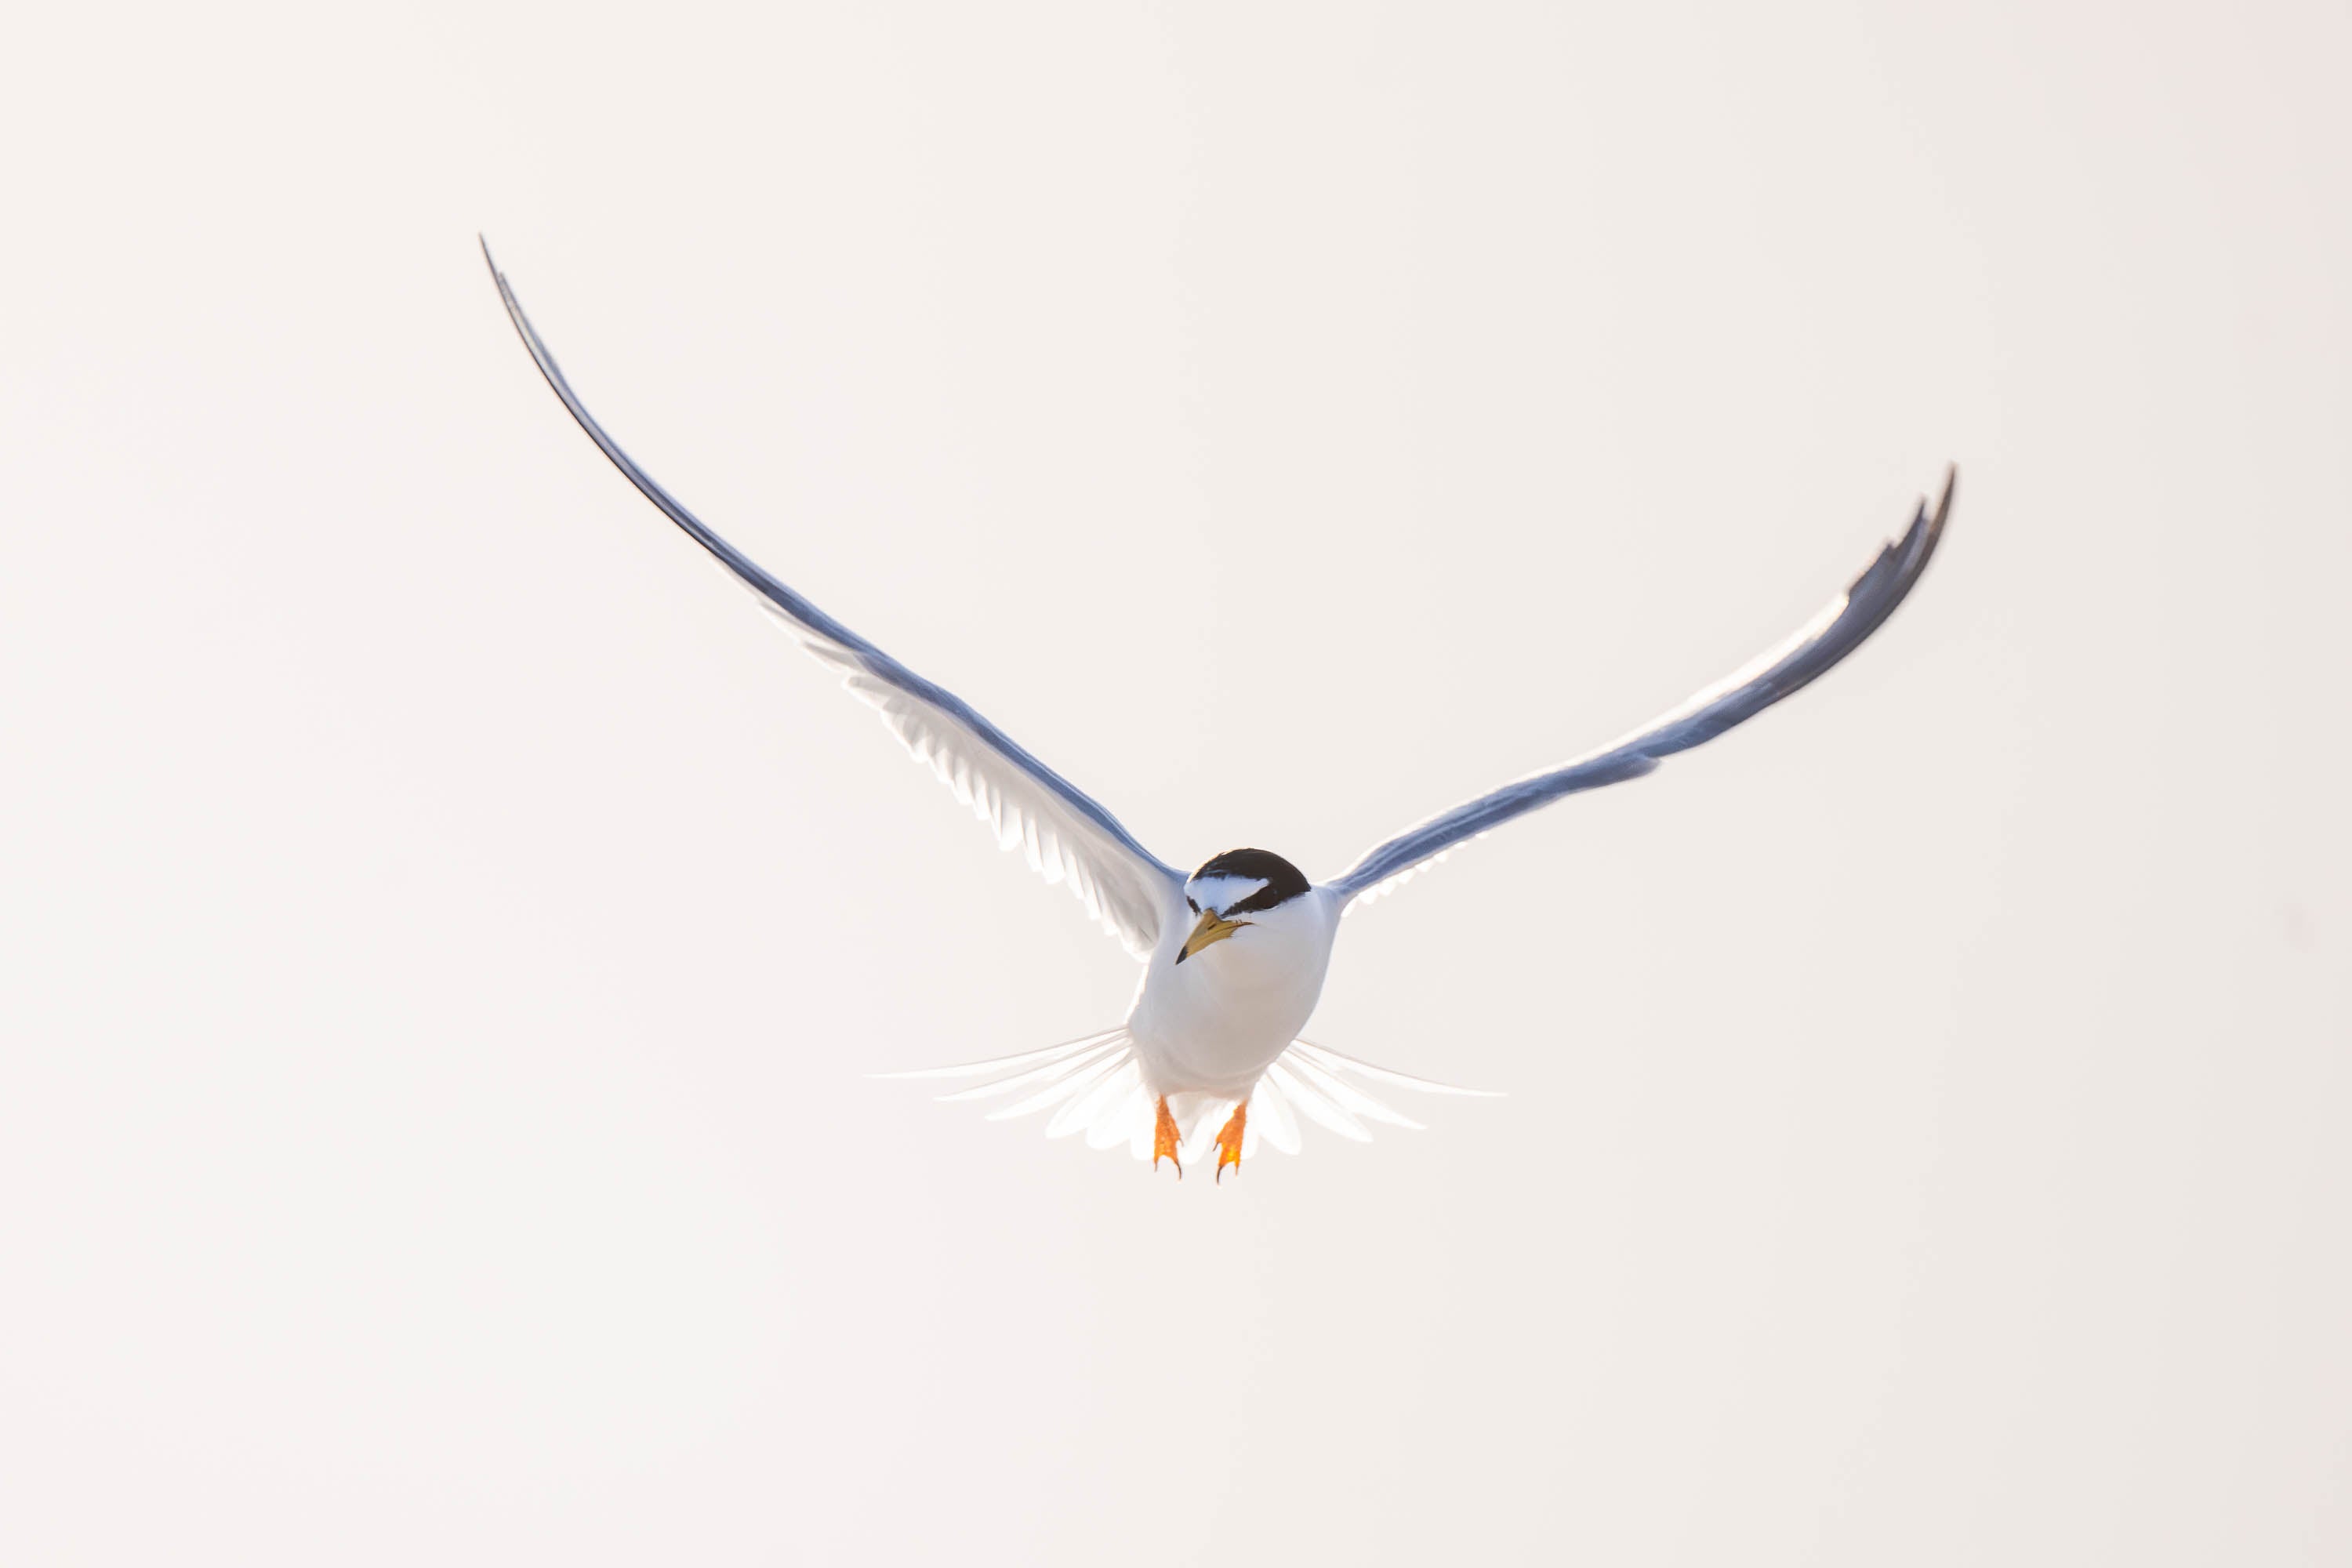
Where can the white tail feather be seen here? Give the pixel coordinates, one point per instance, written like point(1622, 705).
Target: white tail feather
point(1000, 1064)
point(1329, 1061)
point(1060, 1067)
point(1116, 1125)
point(1346, 1096)
point(1270, 1114)
point(1095, 1086)
point(1080, 1112)
point(1054, 1094)
point(1317, 1108)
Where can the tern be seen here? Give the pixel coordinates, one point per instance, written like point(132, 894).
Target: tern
point(1234, 954)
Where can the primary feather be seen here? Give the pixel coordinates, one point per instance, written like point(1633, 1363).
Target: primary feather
point(1841, 627)
point(1065, 834)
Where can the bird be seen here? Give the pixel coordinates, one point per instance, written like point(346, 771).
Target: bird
point(1234, 954)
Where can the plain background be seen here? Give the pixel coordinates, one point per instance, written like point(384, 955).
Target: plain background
point(444, 930)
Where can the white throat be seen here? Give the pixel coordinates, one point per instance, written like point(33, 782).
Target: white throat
point(1214, 1022)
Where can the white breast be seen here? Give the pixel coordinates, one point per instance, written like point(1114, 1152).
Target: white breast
point(1214, 1022)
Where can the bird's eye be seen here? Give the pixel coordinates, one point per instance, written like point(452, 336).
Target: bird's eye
point(1191, 905)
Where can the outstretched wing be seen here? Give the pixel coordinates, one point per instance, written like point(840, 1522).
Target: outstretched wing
point(1841, 627)
point(1068, 837)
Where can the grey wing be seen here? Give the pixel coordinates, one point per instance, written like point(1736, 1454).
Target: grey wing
point(1842, 625)
point(1068, 837)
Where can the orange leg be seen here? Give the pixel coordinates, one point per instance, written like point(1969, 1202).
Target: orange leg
point(1163, 1139)
point(1229, 1140)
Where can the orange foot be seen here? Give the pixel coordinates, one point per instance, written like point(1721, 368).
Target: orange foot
point(1163, 1139)
point(1229, 1140)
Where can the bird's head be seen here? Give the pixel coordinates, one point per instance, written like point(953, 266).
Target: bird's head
point(1240, 888)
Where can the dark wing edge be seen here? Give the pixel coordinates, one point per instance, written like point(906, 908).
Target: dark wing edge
point(1841, 627)
point(878, 679)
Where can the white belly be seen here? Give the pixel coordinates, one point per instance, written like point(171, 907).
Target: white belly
point(1214, 1022)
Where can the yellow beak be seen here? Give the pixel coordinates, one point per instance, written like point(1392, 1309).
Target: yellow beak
point(1214, 928)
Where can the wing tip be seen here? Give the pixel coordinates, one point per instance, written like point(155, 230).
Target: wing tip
point(1926, 530)
point(498, 279)
point(1888, 580)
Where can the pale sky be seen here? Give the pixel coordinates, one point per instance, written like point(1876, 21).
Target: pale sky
point(447, 930)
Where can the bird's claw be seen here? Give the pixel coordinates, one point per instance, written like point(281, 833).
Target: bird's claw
point(1229, 1141)
point(1164, 1141)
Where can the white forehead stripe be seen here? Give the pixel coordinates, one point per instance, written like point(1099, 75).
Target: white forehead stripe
point(1221, 893)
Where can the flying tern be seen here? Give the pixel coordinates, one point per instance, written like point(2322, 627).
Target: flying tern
point(1234, 954)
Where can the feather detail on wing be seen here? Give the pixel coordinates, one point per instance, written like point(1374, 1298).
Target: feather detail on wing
point(1065, 834)
point(1842, 625)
